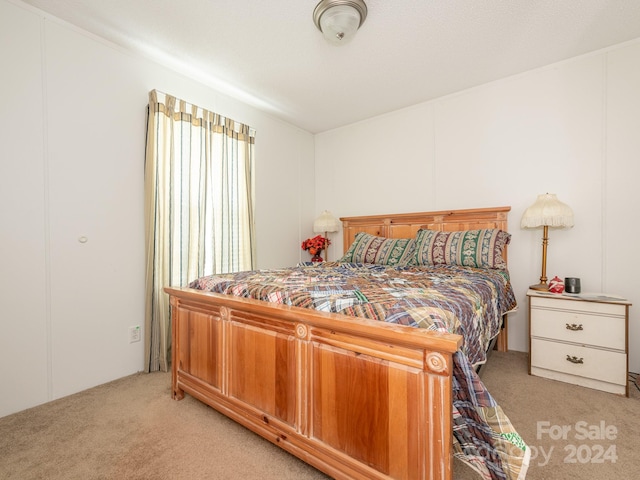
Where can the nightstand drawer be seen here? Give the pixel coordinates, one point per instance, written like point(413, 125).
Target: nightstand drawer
point(556, 302)
point(581, 328)
point(592, 363)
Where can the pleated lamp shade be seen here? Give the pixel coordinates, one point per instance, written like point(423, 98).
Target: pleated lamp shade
point(547, 210)
point(326, 223)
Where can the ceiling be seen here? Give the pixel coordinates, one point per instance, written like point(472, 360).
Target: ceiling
point(269, 54)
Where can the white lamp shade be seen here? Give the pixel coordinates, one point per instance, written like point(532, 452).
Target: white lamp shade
point(326, 223)
point(547, 211)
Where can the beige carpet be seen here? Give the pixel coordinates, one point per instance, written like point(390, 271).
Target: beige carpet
point(131, 429)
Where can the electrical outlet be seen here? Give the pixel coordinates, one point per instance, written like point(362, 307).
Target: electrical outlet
point(134, 334)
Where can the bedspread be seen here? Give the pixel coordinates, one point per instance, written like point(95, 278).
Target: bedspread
point(467, 301)
point(462, 300)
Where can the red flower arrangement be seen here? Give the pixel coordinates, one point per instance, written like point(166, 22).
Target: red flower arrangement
point(315, 245)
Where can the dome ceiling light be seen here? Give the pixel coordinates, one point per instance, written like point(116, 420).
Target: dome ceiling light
point(339, 20)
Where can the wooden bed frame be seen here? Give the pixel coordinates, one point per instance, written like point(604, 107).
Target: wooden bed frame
point(356, 399)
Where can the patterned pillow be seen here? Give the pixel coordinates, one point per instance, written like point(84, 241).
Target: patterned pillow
point(367, 248)
point(470, 248)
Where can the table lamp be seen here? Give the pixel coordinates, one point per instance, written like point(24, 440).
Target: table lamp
point(547, 211)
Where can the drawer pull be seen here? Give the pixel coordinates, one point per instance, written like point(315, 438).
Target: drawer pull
point(574, 327)
point(574, 359)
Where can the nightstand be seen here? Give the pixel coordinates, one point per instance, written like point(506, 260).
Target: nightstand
point(580, 339)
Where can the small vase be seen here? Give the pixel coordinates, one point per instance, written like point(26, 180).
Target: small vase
point(316, 256)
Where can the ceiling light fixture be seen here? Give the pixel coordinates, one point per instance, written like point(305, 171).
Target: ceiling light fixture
point(339, 20)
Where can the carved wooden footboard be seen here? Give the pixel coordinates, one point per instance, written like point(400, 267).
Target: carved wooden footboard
point(354, 398)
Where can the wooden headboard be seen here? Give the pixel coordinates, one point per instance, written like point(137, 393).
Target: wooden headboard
point(406, 225)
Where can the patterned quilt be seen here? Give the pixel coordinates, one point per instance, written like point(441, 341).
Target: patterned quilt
point(448, 298)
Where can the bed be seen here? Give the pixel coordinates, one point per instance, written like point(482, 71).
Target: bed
point(355, 397)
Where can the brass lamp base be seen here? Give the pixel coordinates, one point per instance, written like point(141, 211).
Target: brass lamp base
point(542, 286)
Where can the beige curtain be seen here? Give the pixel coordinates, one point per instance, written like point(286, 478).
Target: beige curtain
point(198, 207)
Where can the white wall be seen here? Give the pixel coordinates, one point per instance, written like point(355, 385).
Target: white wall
point(570, 129)
point(72, 132)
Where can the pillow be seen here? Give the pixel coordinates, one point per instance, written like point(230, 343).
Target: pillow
point(469, 248)
point(367, 248)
